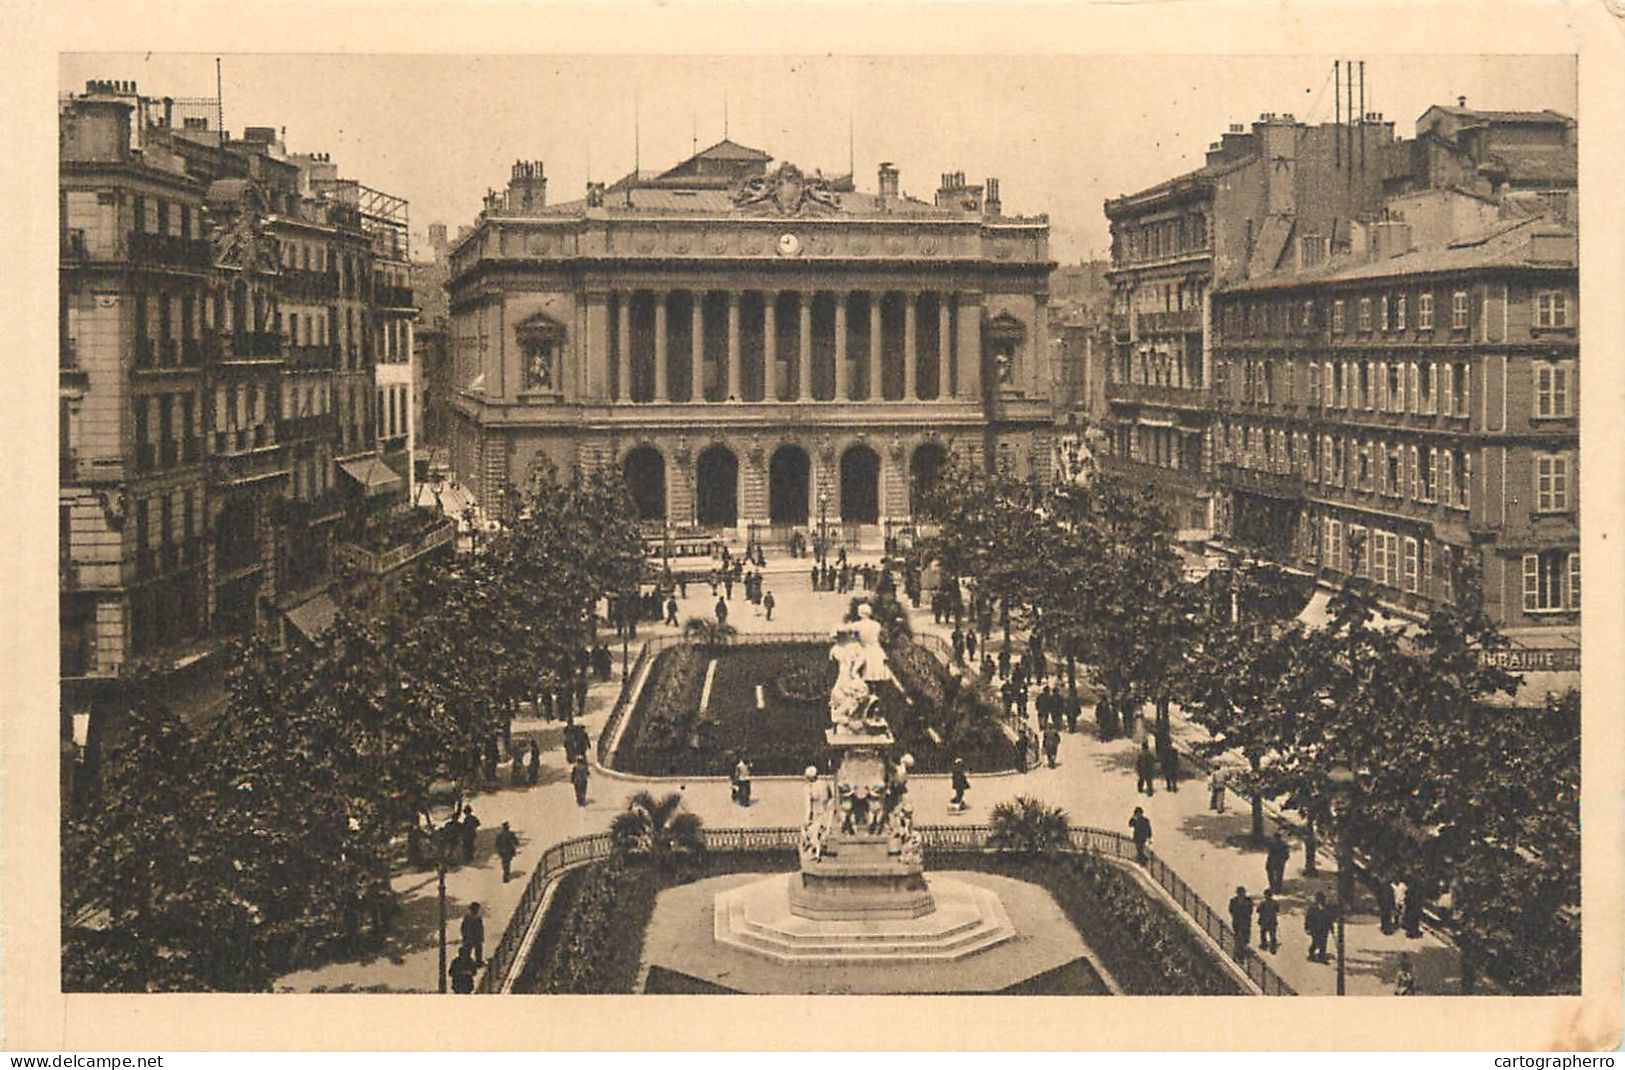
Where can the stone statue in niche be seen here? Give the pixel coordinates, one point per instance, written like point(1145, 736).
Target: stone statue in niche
point(539, 367)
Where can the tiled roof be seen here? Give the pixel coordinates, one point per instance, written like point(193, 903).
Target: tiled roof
point(1545, 115)
point(1508, 245)
point(1212, 170)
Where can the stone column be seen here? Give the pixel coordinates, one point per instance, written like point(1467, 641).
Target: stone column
point(732, 388)
point(662, 355)
point(911, 346)
point(623, 347)
point(804, 391)
point(770, 346)
point(597, 358)
point(944, 353)
point(876, 352)
point(842, 387)
point(969, 363)
point(696, 364)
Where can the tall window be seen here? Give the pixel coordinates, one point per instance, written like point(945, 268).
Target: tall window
point(1365, 313)
point(1411, 564)
point(1382, 317)
point(1334, 556)
point(1551, 581)
point(1458, 389)
point(1552, 309)
point(1337, 317)
point(1552, 396)
point(1399, 313)
point(1458, 311)
point(1396, 387)
point(1551, 482)
point(1424, 312)
point(1427, 475)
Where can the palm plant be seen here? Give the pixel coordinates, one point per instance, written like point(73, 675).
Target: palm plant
point(708, 634)
point(659, 829)
point(1029, 825)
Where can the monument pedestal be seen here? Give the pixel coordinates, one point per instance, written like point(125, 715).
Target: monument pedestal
point(860, 874)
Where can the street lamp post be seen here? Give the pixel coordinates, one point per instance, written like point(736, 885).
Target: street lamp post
point(441, 843)
point(1341, 781)
point(823, 527)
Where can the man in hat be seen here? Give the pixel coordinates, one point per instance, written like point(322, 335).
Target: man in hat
point(578, 779)
point(1241, 919)
point(1317, 922)
point(473, 932)
point(1269, 920)
point(507, 846)
point(961, 784)
point(1140, 832)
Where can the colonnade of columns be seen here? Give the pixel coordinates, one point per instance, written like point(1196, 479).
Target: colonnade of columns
point(784, 345)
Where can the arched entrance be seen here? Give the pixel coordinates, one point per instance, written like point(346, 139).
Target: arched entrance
point(924, 472)
point(716, 478)
point(645, 473)
point(860, 486)
point(788, 485)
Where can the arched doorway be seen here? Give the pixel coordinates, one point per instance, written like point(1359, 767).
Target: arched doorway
point(788, 485)
point(716, 480)
point(924, 472)
point(860, 486)
point(645, 473)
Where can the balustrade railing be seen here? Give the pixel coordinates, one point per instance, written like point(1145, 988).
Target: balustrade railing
point(937, 839)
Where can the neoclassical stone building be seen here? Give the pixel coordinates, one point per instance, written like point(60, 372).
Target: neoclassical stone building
point(751, 347)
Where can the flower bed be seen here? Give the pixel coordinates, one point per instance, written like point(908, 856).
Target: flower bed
point(666, 737)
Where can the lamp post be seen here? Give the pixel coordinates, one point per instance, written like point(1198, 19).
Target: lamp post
point(1340, 781)
point(823, 527)
point(440, 841)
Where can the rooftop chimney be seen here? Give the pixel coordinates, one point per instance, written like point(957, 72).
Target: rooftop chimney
point(888, 182)
point(991, 204)
point(527, 188)
point(1389, 238)
point(1461, 102)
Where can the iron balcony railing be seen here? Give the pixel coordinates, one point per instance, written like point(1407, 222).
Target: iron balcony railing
point(170, 251)
point(1188, 397)
point(383, 562)
point(937, 839)
point(1176, 321)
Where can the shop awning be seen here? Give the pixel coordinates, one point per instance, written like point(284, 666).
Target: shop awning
point(314, 617)
point(372, 475)
point(1318, 614)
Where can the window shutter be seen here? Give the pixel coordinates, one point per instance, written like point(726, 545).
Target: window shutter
point(1433, 389)
point(1427, 567)
point(1446, 484)
point(1410, 565)
point(1466, 479)
point(1574, 580)
point(1531, 583)
point(1381, 392)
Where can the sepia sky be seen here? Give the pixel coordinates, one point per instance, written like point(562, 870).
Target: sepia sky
point(1061, 133)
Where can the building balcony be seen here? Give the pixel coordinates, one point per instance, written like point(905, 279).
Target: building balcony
point(401, 543)
point(394, 296)
point(1174, 397)
point(324, 425)
point(166, 250)
point(307, 357)
point(73, 246)
point(248, 465)
point(250, 345)
point(1180, 321)
point(1269, 484)
point(1144, 473)
point(297, 282)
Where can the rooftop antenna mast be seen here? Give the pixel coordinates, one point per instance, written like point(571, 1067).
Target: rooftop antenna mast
point(725, 115)
point(851, 168)
point(219, 103)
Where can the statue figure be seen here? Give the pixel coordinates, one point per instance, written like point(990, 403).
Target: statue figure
point(815, 821)
point(867, 630)
point(849, 699)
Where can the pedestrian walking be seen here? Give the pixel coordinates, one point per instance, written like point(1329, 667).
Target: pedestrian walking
point(957, 639)
point(961, 784)
point(533, 764)
point(1317, 922)
point(722, 611)
point(1052, 744)
point(741, 779)
point(468, 829)
point(1074, 710)
point(1004, 663)
point(1241, 920)
point(581, 695)
point(728, 586)
point(507, 846)
point(1145, 769)
point(1215, 790)
point(462, 971)
point(1276, 854)
point(1140, 832)
point(1170, 766)
point(1411, 912)
point(768, 602)
point(1269, 920)
point(1405, 980)
point(473, 930)
point(970, 646)
point(671, 611)
point(578, 779)
point(1388, 906)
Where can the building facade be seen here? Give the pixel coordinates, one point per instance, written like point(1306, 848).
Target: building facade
point(1390, 410)
point(219, 330)
point(754, 349)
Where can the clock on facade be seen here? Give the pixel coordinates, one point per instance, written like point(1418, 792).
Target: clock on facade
point(789, 245)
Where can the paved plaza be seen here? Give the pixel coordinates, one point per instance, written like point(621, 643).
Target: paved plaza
point(1094, 783)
